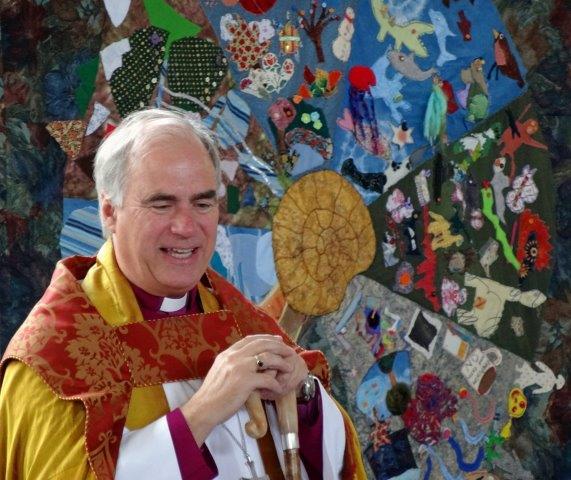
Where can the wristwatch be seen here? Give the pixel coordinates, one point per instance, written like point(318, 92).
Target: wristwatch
point(307, 387)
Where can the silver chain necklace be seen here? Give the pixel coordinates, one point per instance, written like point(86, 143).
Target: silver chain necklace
point(241, 445)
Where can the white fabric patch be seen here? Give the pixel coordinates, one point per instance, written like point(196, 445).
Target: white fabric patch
point(112, 56)
point(173, 304)
point(229, 168)
point(117, 10)
point(98, 117)
point(224, 249)
point(148, 452)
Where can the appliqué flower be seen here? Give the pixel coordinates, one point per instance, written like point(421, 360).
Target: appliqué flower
point(268, 79)
point(452, 296)
point(314, 117)
point(398, 206)
point(404, 278)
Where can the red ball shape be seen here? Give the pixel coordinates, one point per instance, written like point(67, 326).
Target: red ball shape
point(361, 77)
point(257, 6)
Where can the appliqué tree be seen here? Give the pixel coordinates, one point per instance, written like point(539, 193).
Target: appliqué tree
point(314, 25)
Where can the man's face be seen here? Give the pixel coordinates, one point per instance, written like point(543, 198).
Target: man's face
point(165, 232)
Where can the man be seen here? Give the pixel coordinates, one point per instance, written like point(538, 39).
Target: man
point(137, 364)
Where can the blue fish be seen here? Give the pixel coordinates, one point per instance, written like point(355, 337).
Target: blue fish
point(442, 33)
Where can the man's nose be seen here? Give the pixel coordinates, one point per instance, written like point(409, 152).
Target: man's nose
point(183, 223)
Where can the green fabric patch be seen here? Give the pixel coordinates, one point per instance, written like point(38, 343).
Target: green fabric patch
point(87, 72)
point(197, 68)
point(232, 199)
point(133, 83)
point(463, 222)
point(163, 16)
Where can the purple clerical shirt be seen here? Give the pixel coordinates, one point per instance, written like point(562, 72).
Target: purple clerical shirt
point(196, 462)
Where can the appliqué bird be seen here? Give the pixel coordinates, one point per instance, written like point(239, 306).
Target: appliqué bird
point(505, 61)
point(465, 26)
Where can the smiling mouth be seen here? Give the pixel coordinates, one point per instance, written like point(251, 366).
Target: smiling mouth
point(180, 253)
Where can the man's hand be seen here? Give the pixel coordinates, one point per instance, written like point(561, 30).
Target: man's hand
point(235, 374)
point(287, 380)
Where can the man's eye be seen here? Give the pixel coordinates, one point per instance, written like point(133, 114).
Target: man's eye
point(205, 205)
point(161, 206)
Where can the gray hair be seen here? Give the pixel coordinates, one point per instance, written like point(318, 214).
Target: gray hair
point(113, 159)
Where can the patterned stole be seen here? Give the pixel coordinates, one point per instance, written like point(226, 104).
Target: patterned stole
point(81, 357)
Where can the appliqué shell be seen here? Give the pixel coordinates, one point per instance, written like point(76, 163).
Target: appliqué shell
point(322, 238)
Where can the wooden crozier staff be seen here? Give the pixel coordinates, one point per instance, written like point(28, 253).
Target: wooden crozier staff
point(286, 406)
point(257, 427)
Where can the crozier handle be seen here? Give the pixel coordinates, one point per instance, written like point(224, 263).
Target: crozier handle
point(286, 407)
point(257, 426)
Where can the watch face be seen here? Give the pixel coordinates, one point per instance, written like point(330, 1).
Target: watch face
point(308, 388)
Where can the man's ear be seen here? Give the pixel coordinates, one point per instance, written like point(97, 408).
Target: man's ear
point(108, 213)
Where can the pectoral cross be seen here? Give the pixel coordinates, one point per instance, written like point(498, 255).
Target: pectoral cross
point(252, 468)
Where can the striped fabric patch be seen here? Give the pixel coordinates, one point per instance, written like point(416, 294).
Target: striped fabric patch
point(81, 233)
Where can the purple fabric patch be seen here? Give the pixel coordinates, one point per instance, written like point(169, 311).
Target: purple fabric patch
point(310, 419)
point(194, 462)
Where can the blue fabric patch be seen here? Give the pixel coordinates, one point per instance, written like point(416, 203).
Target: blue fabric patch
point(81, 233)
point(396, 97)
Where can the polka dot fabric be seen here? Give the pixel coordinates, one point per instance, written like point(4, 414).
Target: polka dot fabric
point(134, 82)
point(196, 67)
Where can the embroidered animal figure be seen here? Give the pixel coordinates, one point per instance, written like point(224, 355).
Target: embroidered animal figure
point(465, 26)
point(439, 228)
point(407, 34)
point(489, 301)
point(389, 249)
point(475, 142)
point(505, 60)
point(361, 113)
point(342, 44)
point(500, 182)
point(389, 89)
point(489, 254)
point(434, 128)
point(376, 182)
point(442, 33)
point(448, 90)
point(544, 378)
point(476, 145)
point(406, 66)
point(517, 134)
point(475, 98)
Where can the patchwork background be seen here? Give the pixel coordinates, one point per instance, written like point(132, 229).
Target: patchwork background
point(46, 77)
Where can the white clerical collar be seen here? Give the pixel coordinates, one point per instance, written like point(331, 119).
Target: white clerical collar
point(173, 304)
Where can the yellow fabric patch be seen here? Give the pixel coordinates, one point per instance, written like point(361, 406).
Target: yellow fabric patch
point(147, 405)
point(109, 290)
point(33, 419)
